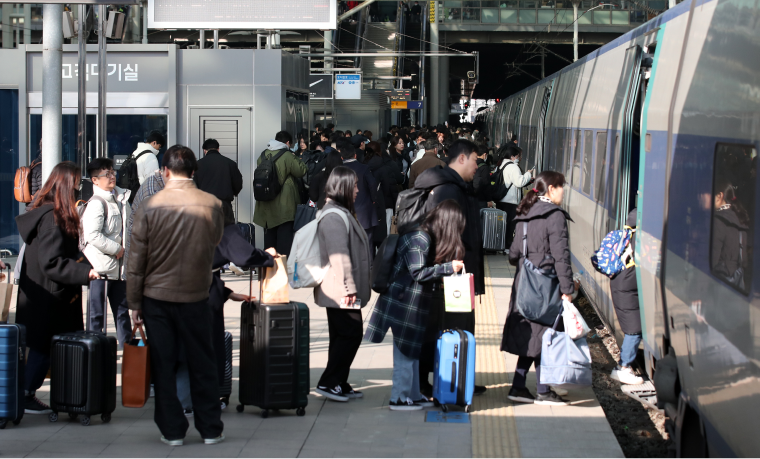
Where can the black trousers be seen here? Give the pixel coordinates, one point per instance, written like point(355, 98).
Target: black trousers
point(280, 237)
point(189, 325)
point(345, 326)
point(218, 338)
point(511, 210)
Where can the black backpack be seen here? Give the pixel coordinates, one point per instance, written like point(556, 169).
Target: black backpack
point(382, 265)
point(410, 209)
point(314, 161)
point(497, 189)
point(128, 177)
point(266, 183)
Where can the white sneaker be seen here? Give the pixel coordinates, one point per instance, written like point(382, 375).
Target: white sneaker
point(237, 271)
point(559, 391)
point(214, 441)
point(626, 376)
point(179, 442)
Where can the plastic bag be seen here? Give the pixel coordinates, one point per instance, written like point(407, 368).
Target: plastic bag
point(575, 326)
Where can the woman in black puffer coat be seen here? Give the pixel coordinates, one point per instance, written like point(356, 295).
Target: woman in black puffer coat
point(548, 248)
point(388, 177)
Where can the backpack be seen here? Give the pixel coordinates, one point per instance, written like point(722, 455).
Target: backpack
point(22, 183)
point(313, 161)
point(410, 209)
point(266, 183)
point(382, 265)
point(128, 177)
point(305, 268)
point(497, 189)
point(81, 207)
point(614, 253)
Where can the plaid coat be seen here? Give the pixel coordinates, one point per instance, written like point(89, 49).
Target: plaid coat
point(400, 308)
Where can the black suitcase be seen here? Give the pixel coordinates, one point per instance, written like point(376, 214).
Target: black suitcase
point(274, 356)
point(226, 389)
point(12, 366)
point(83, 373)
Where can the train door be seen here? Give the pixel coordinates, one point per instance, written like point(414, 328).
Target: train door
point(541, 139)
point(627, 157)
point(232, 129)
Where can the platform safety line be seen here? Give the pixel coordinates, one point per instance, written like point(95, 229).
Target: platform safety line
point(494, 432)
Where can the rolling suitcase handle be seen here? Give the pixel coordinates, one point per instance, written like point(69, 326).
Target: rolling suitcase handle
point(105, 305)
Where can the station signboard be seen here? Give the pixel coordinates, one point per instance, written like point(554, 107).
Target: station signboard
point(348, 86)
point(320, 86)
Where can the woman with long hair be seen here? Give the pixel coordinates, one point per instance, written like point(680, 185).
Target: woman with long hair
point(50, 284)
point(344, 247)
point(319, 180)
point(422, 257)
point(543, 224)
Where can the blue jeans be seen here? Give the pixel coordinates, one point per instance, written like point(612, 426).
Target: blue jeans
point(117, 297)
point(406, 377)
point(628, 349)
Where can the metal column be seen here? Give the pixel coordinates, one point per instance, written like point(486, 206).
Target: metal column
point(444, 105)
point(145, 23)
point(435, 83)
point(82, 34)
point(202, 39)
point(575, 31)
point(102, 151)
point(423, 111)
point(216, 38)
point(27, 24)
point(52, 103)
point(7, 26)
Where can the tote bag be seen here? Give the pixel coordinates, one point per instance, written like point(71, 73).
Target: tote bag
point(564, 362)
point(538, 295)
point(459, 292)
point(135, 371)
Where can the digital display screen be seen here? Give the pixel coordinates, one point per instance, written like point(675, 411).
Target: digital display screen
point(244, 14)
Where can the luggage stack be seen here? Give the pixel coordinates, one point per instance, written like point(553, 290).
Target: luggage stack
point(274, 356)
point(454, 374)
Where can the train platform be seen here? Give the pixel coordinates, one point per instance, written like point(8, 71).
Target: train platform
point(359, 428)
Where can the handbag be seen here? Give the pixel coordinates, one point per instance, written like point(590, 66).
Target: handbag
point(538, 295)
point(564, 362)
point(305, 214)
point(274, 287)
point(135, 371)
point(459, 292)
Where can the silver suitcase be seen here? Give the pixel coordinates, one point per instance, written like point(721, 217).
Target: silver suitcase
point(494, 229)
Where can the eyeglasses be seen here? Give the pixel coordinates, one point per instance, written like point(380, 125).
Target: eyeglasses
point(109, 174)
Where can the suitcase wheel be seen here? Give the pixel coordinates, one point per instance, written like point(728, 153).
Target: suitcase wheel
point(85, 421)
point(264, 414)
point(105, 417)
point(53, 417)
point(301, 411)
point(467, 408)
point(444, 408)
point(3, 424)
point(239, 408)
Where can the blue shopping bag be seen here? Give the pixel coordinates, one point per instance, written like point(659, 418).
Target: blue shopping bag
point(564, 362)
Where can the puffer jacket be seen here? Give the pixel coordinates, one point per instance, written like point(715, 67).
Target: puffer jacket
point(106, 238)
point(147, 164)
point(514, 176)
point(37, 174)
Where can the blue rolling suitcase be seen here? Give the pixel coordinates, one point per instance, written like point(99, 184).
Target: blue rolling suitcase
point(454, 381)
point(12, 364)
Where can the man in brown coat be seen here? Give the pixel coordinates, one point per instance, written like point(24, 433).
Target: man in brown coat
point(428, 160)
point(174, 235)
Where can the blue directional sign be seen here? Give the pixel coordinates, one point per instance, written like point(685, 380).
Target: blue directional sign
point(414, 104)
point(348, 86)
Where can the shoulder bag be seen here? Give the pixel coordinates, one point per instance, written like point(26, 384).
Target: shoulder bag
point(538, 295)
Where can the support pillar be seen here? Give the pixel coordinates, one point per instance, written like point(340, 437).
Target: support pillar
point(575, 31)
point(444, 104)
point(102, 151)
point(435, 66)
point(52, 102)
point(202, 39)
point(145, 23)
point(7, 28)
point(27, 24)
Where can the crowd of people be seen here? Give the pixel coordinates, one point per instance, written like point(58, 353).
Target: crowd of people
point(160, 250)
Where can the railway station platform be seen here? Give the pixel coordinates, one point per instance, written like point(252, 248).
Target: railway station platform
point(359, 428)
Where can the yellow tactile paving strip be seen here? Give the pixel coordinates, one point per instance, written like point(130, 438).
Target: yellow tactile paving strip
point(494, 433)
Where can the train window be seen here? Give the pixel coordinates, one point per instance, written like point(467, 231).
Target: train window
point(601, 158)
point(570, 139)
point(559, 145)
point(733, 206)
point(532, 143)
point(588, 151)
point(576, 171)
point(614, 175)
